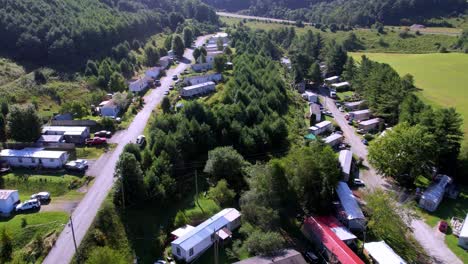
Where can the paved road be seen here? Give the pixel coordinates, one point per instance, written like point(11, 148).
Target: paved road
point(84, 214)
point(429, 238)
point(226, 14)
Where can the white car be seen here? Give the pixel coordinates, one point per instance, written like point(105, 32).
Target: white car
point(28, 205)
point(78, 165)
point(141, 140)
point(359, 182)
point(41, 196)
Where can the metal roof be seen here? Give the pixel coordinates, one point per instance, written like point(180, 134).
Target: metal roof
point(383, 253)
point(365, 111)
point(188, 88)
point(436, 191)
point(50, 138)
point(351, 104)
point(4, 194)
point(32, 153)
point(348, 201)
point(341, 84)
point(332, 78)
point(346, 158)
point(207, 228)
point(464, 230)
point(323, 124)
point(333, 137)
point(65, 129)
point(370, 122)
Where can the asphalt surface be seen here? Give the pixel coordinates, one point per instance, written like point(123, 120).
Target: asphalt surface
point(429, 238)
point(84, 214)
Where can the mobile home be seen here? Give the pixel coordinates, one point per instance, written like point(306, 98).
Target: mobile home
point(199, 89)
point(8, 200)
point(360, 115)
point(321, 127)
point(34, 157)
point(352, 214)
point(370, 125)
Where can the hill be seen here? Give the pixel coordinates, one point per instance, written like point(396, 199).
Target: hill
point(350, 12)
point(70, 31)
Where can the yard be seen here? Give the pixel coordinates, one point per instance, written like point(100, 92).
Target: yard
point(442, 77)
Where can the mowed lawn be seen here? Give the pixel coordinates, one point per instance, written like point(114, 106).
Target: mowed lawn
point(443, 77)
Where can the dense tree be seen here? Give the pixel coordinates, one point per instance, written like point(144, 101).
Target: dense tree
point(3, 132)
point(219, 63)
point(196, 54)
point(349, 69)
point(336, 59)
point(166, 105)
point(126, 68)
point(264, 243)
point(117, 83)
point(151, 56)
point(314, 73)
point(131, 187)
point(24, 124)
point(222, 194)
point(178, 46)
point(226, 163)
point(6, 246)
point(404, 153)
point(76, 108)
point(188, 37)
point(133, 149)
point(4, 108)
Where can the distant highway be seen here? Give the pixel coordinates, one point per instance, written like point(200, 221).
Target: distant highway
point(83, 216)
point(225, 14)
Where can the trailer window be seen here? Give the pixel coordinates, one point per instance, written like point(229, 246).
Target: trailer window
point(191, 252)
point(178, 251)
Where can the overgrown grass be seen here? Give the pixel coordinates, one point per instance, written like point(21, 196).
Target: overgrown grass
point(25, 228)
point(9, 71)
point(371, 40)
point(442, 78)
point(89, 152)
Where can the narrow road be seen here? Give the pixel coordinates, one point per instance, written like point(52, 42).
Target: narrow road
point(429, 238)
point(234, 15)
point(83, 216)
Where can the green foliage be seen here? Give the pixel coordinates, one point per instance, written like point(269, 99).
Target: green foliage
point(133, 149)
point(166, 105)
point(105, 255)
point(91, 68)
point(117, 83)
point(264, 243)
point(180, 219)
point(219, 63)
point(151, 56)
point(77, 108)
point(178, 46)
point(131, 177)
point(3, 132)
point(6, 246)
point(24, 124)
point(221, 193)
point(386, 224)
point(404, 152)
point(188, 37)
point(226, 163)
point(314, 73)
point(335, 59)
point(196, 54)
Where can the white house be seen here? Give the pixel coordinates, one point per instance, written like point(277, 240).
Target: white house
point(310, 96)
point(215, 77)
point(196, 241)
point(370, 124)
point(198, 89)
point(8, 200)
point(34, 157)
point(381, 253)
point(334, 139)
point(351, 215)
point(332, 79)
point(71, 134)
point(463, 237)
point(199, 67)
point(346, 161)
point(353, 105)
point(138, 85)
point(109, 108)
point(360, 115)
point(340, 86)
point(153, 72)
point(321, 127)
point(433, 195)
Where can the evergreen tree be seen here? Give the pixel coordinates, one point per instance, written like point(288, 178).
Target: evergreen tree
point(168, 42)
point(3, 136)
point(196, 54)
point(178, 46)
point(117, 83)
point(126, 68)
point(314, 73)
point(91, 68)
point(6, 249)
point(24, 124)
point(166, 105)
point(131, 177)
point(188, 37)
point(349, 69)
point(219, 63)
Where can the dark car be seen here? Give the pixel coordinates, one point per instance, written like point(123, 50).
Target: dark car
point(103, 134)
point(311, 257)
point(157, 83)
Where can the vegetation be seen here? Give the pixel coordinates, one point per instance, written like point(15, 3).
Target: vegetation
point(24, 124)
point(356, 12)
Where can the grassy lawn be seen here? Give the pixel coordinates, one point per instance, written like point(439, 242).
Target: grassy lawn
point(28, 184)
point(26, 228)
point(443, 78)
point(370, 40)
point(89, 152)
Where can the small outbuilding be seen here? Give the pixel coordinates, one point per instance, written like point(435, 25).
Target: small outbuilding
point(109, 109)
point(463, 236)
point(381, 253)
point(321, 127)
point(310, 96)
point(8, 200)
point(342, 86)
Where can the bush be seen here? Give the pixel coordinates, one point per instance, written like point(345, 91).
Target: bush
point(264, 243)
point(180, 219)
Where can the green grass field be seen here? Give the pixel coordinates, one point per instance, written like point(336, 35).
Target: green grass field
point(443, 78)
point(370, 40)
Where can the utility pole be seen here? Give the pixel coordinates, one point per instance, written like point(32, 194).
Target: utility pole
point(73, 233)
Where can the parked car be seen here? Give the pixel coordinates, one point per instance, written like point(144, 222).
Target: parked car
point(157, 83)
point(41, 196)
point(77, 165)
point(103, 134)
point(365, 142)
point(186, 71)
point(96, 141)
point(346, 116)
point(361, 131)
point(359, 182)
point(171, 87)
point(141, 140)
point(166, 92)
point(28, 205)
point(174, 77)
point(341, 109)
point(443, 226)
point(311, 257)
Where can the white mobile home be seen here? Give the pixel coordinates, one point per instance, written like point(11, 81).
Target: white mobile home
point(381, 253)
point(109, 108)
point(193, 243)
point(341, 86)
point(333, 79)
point(310, 96)
point(199, 89)
point(8, 200)
point(352, 214)
point(463, 237)
point(216, 77)
point(433, 195)
point(360, 115)
point(71, 134)
point(353, 105)
point(34, 157)
point(138, 85)
point(334, 139)
point(199, 67)
point(369, 125)
point(346, 161)
point(153, 72)
point(321, 127)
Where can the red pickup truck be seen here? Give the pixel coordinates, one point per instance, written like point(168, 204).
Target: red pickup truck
point(96, 141)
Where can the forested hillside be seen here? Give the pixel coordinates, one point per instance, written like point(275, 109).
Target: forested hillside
point(69, 31)
point(352, 12)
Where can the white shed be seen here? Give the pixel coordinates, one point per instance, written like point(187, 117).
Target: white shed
point(310, 96)
point(463, 237)
point(352, 212)
point(8, 201)
point(34, 157)
point(193, 243)
point(381, 253)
